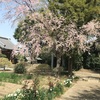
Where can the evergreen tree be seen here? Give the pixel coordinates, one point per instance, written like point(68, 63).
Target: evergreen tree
point(78, 11)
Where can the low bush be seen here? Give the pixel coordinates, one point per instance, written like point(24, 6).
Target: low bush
point(17, 95)
point(4, 62)
point(55, 91)
point(3, 55)
point(46, 57)
point(68, 82)
point(43, 69)
point(34, 92)
point(20, 68)
point(39, 94)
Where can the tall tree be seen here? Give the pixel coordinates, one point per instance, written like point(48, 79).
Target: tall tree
point(78, 11)
point(60, 29)
point(44, 29)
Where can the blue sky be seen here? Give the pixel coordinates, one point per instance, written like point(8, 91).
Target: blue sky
point(7, 30)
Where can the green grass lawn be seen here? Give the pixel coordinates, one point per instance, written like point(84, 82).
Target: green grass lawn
point(11, 77)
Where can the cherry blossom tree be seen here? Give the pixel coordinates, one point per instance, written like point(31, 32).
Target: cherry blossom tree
point(45, 30)
point(92, 28)
point(17, 9)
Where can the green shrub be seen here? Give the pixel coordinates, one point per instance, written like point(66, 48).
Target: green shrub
point(55, 91)
point(93, 61)
point(46, 58)
point(60, 87)
point(77, 62)
point(20, 68)
point(36, 93)
point(4, 62)
point(17, 95)
point(68, 82)
point(42, 69)
point(42, 94)
point(3, 55)
point(76, 78)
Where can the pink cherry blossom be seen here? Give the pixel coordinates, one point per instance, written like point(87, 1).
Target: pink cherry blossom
point(16, 9)
point(52, 31)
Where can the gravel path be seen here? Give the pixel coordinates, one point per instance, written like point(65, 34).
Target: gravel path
point(87, 88)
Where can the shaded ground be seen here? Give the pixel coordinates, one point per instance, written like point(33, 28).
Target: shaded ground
point(6, 88)
point(87, 88)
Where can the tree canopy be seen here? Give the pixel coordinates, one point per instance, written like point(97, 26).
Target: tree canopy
point(63, 27)
point(78, 11)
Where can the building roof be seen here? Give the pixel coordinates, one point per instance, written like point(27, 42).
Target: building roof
point(6, 43)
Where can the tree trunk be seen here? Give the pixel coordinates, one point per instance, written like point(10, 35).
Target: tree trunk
point(70, 66)
point(52, 60)
point(58, 62)
point(63, 62)
point(58, 66)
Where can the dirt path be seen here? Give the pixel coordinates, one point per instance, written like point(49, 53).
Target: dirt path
point(6, 88)
point(87, 88)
